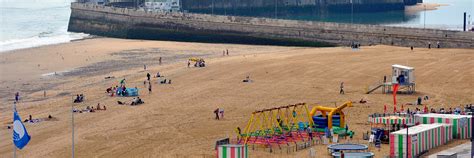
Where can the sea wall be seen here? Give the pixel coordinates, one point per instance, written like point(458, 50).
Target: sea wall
point(128, 23)
point(293, 5)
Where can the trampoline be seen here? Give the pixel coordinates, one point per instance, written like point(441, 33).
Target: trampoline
point(347, 147)
point(354, 155)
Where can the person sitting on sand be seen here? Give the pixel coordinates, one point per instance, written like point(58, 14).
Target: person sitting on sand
point(77, 100)
point(139, 100)
point(82, 97)
point(134, 101)
point(98, 106)
point(363, 101)
point(247, 79)
point(108, 90)
point(163, 82)
point(158, 74)
point(124, 91)
point(120, 103)
point(105, 108)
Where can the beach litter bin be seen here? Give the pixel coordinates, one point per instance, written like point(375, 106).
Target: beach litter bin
point(232, 151)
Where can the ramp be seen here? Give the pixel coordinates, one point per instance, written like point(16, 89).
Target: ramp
point(373, 89)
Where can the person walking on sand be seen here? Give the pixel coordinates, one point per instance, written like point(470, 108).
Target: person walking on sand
point(429, 45)
point(159, 60)
point(149, 87)
point(342, 88)
point(144, 67)
point(217, 113)
point(189, 63)
point(17, 97)
point(148, 76)
point(227, 51)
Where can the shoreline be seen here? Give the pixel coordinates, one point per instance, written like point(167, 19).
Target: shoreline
point(84, 37)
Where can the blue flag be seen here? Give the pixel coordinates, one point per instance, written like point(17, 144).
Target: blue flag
point(20, 136)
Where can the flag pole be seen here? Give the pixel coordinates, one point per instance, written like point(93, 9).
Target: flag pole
point(14, 150)
point(72, 122)
point(13, 130)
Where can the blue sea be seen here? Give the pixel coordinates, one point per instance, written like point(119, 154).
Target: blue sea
point(32, 23)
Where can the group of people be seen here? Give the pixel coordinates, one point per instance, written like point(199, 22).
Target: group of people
point(355, 45)
point(458, 111)
point(79, 98)
point(31, 120)
point(225, 52)
point(437, 43)
point(90, 109)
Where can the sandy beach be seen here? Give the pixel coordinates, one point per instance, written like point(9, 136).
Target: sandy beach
point(177, 119)
point(422, 7)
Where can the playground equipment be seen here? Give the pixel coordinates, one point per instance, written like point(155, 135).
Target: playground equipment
point(354, 155)
point(329, 117)
point(347, 148)
point(277, 126)
point(402, 75)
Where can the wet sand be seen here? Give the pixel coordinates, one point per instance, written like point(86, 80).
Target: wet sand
point(177, 120)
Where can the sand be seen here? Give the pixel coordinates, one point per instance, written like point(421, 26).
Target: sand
point(177, 120)
point(413, 9)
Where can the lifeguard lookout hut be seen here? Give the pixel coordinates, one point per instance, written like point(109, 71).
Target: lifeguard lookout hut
point(402, 75)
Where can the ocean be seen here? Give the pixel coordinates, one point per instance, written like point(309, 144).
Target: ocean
point(32, 23)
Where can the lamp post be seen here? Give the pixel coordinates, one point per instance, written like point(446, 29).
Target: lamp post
point(72, 125)
point(472, 133)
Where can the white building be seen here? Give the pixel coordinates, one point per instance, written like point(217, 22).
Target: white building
point(162, 5)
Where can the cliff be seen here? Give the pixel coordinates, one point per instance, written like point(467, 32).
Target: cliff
point(127, 23)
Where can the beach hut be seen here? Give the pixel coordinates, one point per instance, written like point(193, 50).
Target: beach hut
point(420, 138)
point(461, 123)
point(232, 151)
point(390, 119)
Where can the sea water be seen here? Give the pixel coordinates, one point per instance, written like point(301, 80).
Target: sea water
point(32, 23)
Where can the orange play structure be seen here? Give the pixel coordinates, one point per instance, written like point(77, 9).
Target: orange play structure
point(328, 112)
